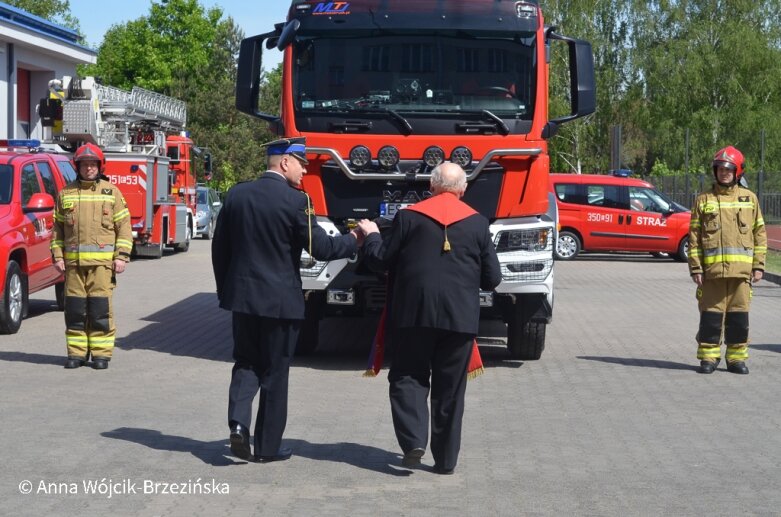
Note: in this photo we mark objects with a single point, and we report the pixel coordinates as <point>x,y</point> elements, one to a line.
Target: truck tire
<point>525,338</point>
<point>59,294</point>
<point>13,305</point>
<point>309,335</point>
<point>188,236</point>
<point>683,250</point>
<point>567,246</point>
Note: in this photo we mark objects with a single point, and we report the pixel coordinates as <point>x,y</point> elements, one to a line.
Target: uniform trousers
<point>435,360</point>
<point>89,319</point>
<point>262,351</point>
<point>724,305</point>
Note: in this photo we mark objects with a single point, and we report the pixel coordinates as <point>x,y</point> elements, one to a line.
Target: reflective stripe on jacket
<point>91,224</point>
<point>727,237</point>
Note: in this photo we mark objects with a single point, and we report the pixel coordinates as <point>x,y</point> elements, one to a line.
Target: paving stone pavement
<point>613,420</point>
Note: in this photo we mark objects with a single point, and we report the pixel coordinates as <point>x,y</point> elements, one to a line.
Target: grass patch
<point>773,261</point>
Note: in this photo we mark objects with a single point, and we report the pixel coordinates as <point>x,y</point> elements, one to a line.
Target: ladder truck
<point>149,155</point>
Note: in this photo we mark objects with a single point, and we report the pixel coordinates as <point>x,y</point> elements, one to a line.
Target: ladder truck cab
<point>149,155</point>
<point>386,91</point>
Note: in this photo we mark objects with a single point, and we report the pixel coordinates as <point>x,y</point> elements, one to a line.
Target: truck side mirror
<point>248,77</point>
<point>207,163</point>
<point>583,90</point>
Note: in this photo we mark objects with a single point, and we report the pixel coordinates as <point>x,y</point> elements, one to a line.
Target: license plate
<point>389,210</point>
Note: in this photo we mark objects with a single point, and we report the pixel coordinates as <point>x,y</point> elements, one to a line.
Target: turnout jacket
<point>261,231</point>
<point>727,236</point>
<point>91,224</point>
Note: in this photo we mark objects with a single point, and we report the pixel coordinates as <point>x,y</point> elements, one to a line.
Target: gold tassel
<point>446,246</point>
<point>475,373</point>
<point>369,373</point>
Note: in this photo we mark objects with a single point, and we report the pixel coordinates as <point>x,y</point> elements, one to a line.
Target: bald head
<point>448,177</point>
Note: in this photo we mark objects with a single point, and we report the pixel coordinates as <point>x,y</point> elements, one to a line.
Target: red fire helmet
<point>730,158</point>
<point>89,152</point>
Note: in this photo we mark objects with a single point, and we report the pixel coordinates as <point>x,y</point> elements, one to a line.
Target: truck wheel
<point>188,236</point>
<point>683,250</point>
<point>59,293</point>
<point>14,300</point>
<point>309,336</point>
<point>525,338</point>
<point>567,246</point>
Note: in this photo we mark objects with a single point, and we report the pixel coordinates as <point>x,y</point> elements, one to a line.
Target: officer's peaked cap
<point>295,147</point>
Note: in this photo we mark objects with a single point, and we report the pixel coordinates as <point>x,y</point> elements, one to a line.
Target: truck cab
<point>384,92</point>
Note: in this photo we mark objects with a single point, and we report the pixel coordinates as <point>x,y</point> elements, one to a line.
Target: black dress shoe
<point>99,364</point>
<point>442,470</point>
<point>708,366</point>
<point>239,439</point>
<point>412,457</point>
<point>281,455</point>
<point>74,363</point>
<point>738,367</point>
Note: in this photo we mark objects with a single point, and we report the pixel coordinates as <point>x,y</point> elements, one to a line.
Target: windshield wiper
<point>349,108</point>
<point>499,122</point>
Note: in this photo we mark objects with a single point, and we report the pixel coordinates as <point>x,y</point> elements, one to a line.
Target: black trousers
<point>434,360</point>
<point>262,349</point>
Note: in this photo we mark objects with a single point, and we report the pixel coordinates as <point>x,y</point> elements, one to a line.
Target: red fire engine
<point>148,154</point>
<point>384,92</point>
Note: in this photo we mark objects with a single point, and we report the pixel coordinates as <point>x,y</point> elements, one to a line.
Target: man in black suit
<point>439,255</point>
<point>256,252</point>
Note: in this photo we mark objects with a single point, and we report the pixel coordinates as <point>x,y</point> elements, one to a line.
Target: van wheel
<point>59,294</point>
<point>683,250</point>
<point>13,305</point>
<point>567,246</point>
<point>209,231</point>
<point>525,338</point>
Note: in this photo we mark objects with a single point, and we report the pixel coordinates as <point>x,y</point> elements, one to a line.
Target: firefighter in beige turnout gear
<point>727,249</point>
<point>92,242</point>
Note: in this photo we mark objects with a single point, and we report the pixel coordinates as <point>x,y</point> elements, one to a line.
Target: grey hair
<point>448,182</point>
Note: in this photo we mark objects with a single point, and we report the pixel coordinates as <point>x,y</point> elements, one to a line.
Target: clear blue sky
<point>254,17</point>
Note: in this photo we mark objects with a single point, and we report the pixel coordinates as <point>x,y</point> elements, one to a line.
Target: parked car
<point>616,213</point>
<point>29,183</point>
<point>208,209</point>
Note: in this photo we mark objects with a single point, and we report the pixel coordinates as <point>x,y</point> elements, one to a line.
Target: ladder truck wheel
<point>188,236</point>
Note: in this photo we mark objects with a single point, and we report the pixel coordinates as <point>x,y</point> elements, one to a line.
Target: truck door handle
<point>629,219</point>
<point>620,219</point>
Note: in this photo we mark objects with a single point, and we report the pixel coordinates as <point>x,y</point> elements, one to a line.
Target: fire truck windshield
<point>408,79</point>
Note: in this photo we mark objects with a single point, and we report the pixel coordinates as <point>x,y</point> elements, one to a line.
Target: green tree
<point>57,11</point>
<point>169,44</point>
<point>712,67</point>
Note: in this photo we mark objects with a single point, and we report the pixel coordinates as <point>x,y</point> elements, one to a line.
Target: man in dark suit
<point>256,252</point>
<point>439,255</point>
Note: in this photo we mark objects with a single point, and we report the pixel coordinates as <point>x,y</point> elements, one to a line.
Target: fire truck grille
<point>531,271</point>
<point>375,297</point>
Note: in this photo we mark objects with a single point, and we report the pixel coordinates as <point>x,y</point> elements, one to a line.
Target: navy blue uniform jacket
<point>433,288</point>
<point>257,246</point>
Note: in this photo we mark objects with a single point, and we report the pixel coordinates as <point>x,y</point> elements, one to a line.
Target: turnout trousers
<point>262,351</point>
<point>429,360</point>
<point>724,305</point>
<point>89,319</point>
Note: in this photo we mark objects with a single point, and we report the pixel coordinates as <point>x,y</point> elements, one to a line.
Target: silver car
<point>208,208</point>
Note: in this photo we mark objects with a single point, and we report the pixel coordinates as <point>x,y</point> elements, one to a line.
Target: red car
<point>29,183</point>
<point>616,213</point>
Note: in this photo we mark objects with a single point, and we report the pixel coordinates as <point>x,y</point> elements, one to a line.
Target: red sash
<point>445,209</point>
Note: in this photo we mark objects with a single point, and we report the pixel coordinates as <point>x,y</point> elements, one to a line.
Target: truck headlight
<point>523,240</point>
